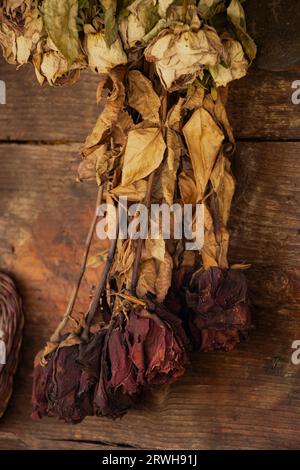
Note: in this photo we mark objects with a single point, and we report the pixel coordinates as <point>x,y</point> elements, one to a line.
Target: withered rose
<point>64,381</point>
<point>219,303</point>
<point>11,328</point>
<point>180,54</point>
<point>142,348</point>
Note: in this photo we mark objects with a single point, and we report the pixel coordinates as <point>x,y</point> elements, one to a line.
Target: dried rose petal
<point>219,303</point>
<point>146,347</point>
<point>64,387</point>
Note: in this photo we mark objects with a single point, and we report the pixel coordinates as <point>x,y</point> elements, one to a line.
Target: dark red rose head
<point>64,382</point>
<point>143,347</point>
<point>218,300</point>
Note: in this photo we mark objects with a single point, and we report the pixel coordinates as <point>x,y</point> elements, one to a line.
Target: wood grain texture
<point>249,398</point>
<point>260,107</point>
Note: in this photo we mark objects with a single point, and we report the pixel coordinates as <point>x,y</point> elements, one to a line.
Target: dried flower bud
<point>181,54</point>
<point>11,325</point>
<point>219,303</point>
<point>64,380</point>
<point>142,348</point>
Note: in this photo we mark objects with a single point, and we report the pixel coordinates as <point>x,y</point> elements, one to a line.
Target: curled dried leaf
<point>142,97</point>
<point>204,138</point>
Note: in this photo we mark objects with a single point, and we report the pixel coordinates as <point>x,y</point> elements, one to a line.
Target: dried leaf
<point>96,260</point>
<point>111,25</point>
<point>224,186</point>
<point>204,139</point>
<point>61,24</point>
<point>236,14</point>
<point>154,248</point>
<point>54,66</point>
<point>209,8</point>
<point>209,249</point>
<point>134,192</point>
<point>218,111</point>
<point>121,128</point>
<point>164,278</point>
<point>147,278</point>
<point>188,189</point>
<point>142,97</point>
<point>125,257</point>
<point>109,115</point>
<point>195,97</point>
<point>144,152</point>
<point>163,6</point>
<point>174,116</point>
<point>167,177</point>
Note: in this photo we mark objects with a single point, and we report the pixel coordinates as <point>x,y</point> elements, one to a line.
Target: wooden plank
<point>35,113</point>
<point>260,107</point>
<point>245,399</point>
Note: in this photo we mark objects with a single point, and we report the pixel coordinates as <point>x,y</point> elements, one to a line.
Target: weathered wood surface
<point>249,398</point>
<point>246,399</point>
<point>260,107</point>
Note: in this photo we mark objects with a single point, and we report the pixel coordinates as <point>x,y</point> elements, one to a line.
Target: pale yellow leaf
<point>143,154</point>
<point>101,57</point>
<point>204,139</point>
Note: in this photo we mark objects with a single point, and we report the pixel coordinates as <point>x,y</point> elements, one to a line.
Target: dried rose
<point>11,326</point>
<point>235,63</point>
<point>180,54</point>
<point>64,380</point>
<point>101,57</point>
<point>219,301</point>
<point>21,29</point>
<point>142,348</point>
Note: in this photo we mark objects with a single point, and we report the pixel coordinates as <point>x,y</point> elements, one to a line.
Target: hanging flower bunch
<point>162,136</point>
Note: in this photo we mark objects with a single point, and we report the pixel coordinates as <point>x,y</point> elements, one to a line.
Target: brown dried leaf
<point>224,186</point>
<point>96,260</point>
<point>170,166</point>
<point>142,97</point>
<point>188,188</point>
<point>109,115</point>
<point>204,139</point>
<point>217,109</point>
<point>209,249</point>
<point>164,278</point>
<point>143,154</point>
<point>147,278</point>
<point>195,97</point>
<point>134,192</point>
<point>154,248</point>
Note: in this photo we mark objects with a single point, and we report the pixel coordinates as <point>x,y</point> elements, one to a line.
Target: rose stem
<point>101,286</point>
<point>147,202</point>
<point>55,338</point>
<point>135,272</point>
<point>215,211</point>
